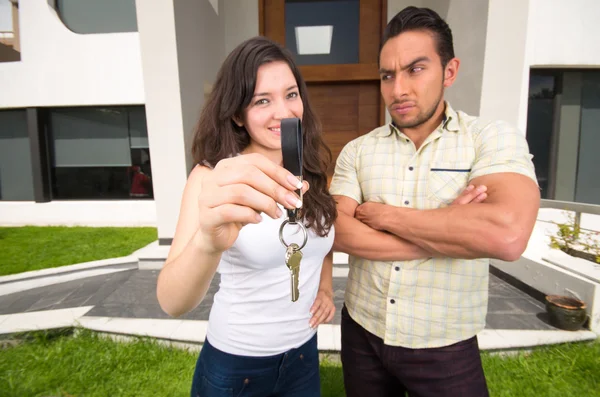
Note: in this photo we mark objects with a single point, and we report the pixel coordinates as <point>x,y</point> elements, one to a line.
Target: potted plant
<point>565,312</point>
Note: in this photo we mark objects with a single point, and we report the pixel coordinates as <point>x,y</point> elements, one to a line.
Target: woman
<point>259,342</point>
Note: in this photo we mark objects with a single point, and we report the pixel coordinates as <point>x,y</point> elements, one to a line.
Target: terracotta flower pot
<point>565,312</point>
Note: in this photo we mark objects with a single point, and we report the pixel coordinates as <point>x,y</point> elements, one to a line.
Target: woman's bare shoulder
<point>194,180</point>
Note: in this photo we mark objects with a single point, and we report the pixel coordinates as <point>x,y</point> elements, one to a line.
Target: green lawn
<point>89,366</point>
<point>32,248</point>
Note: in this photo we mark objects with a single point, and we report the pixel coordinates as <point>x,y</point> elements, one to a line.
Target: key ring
<point>302,227</point>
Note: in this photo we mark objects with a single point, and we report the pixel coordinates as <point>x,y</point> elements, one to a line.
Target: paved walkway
<point>124,301</point>
<point>132,294</point>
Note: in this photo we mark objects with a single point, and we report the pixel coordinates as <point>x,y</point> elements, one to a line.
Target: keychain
<point>291,148</point>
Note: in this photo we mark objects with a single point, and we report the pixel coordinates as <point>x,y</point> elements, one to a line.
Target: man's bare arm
<point>499,228</point>
<point>357,239</point>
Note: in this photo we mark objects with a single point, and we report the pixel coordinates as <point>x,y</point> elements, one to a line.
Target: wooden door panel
<point>369,107</point>
<point>346,111</point>
<point>373,15</point>
<point>349,72</point>
<point>345,98</point>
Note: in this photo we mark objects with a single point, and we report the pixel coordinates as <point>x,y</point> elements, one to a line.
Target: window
<point>588,184</point>
<point>93,16</point>
<point>100,153</point>
<point>563,132</point>
<point>322,32</point>
<point>540,119</point>
<point>16,178</point>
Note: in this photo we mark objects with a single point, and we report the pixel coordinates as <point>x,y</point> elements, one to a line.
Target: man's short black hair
<point>414,19</point>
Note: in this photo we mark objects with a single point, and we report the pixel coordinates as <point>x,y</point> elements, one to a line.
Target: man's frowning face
<point>413,78</point>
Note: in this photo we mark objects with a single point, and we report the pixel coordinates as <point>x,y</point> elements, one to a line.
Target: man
<point>417,287</point>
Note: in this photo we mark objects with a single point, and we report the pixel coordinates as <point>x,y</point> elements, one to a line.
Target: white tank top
<point>252,313</point>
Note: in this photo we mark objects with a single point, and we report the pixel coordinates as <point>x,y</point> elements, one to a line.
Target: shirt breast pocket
<point>447,181</point>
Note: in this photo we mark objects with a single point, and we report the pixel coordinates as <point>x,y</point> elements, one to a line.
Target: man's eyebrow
<point>413,63</point>
<point>268,93</point>
<point>410,65</point>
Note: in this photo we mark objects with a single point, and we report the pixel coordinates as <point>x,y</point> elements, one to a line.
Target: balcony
<point>10,49</point>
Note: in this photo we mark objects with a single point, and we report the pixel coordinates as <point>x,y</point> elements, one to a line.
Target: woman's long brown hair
<point>217,136</point>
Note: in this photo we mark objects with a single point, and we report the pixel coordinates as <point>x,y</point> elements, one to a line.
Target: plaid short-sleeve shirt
<point>437,301</point>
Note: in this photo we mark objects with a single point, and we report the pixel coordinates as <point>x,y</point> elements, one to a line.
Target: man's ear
<point>451,71</point>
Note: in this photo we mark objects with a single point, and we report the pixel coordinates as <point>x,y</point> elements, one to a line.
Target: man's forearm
<point>357,239</point>
<point>470,231</point>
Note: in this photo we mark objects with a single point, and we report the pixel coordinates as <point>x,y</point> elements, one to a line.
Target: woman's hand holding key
<point>236,192</point>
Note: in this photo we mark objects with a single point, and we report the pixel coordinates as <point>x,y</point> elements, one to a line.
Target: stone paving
<point>132,294</point>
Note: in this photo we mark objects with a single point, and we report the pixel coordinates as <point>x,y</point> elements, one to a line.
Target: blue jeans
<point>291,374</point>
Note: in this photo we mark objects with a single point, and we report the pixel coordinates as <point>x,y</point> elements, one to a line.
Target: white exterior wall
<point>179,59</point>
<point>61,68</point>
<point>534,33</point>
<point>163,109</point>
<point>180,62</point>
<point>241,22</point>
<point>79,213</point>
<point>564,33</point>
<point>182,44</point>
<point>505,70</point>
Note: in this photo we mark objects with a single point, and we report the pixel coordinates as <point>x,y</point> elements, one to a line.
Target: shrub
<point>576,242</point>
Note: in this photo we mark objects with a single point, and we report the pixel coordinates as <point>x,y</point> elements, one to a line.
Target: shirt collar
<point>450,119</point>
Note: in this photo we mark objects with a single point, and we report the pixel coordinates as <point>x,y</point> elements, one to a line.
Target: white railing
<point>577,208</point>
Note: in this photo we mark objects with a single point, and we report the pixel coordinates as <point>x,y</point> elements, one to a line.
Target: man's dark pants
<point>372,369</point>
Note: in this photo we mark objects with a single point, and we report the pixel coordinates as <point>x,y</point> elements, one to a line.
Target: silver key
<point>293,256</point>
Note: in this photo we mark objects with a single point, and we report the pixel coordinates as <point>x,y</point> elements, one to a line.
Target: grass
<point>50,364</point>
<point>86,365</point>
<point>32,248</point>
<point>557,371</point>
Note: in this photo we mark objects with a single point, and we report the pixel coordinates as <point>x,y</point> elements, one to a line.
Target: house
<point>92,93</point>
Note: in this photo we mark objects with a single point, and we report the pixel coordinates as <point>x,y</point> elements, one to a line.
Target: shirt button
<point>392,301</point>
<point>406,202</point>
<point>410,168</point>
<point>397,268</point>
